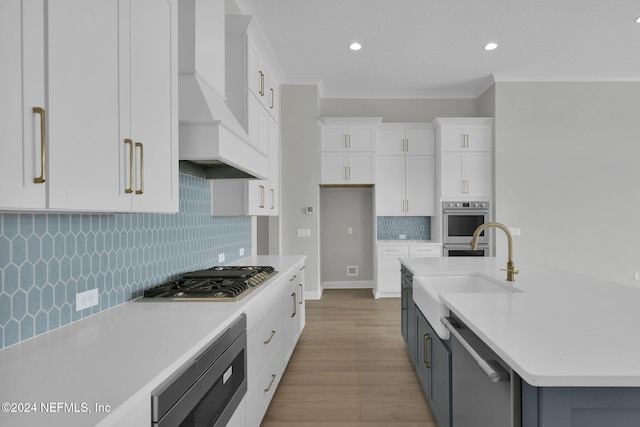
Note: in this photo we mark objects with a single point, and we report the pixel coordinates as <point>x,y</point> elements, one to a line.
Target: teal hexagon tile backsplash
<point>45,259</point>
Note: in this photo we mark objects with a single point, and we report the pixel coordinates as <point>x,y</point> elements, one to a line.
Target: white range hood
<point>209,133</point>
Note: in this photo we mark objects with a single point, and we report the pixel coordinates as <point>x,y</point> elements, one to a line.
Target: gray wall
<point>340,209</point>
<point>567,165</point>
<point>299,177</point>
<point>399,110</point>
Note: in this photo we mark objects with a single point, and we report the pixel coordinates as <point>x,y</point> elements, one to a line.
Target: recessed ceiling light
<point>490,46</point>
<point>355,46</point>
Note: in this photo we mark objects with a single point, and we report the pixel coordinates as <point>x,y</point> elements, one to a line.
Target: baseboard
<point>355,284</point>
<point>377,295</point>
<point>308,295</point>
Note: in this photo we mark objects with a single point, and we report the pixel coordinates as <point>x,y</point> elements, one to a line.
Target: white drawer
<point>393,250</point>
<point>425,250</point>
<point>263,342</point>
<point>259,397</point>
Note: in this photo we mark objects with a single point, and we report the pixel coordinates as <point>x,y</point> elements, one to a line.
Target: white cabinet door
<point>466,138</point>
<point>153,106</point>
<point>333,168</point>
<point>333,138</point>
<point>420,185</point>
<point>355,168</point>
<point>340,138</point>
<point>388,269</point>
<point>390,142</point>
<point>420,142</point>
<point>390,183</point>
<point>361,167</point>
<point>478,174</point>
<point>274,168</point>
<point>87,151</point>
<point>466,175</point>
<point>22,88</point>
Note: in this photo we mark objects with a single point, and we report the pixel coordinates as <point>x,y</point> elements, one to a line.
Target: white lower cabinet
<point>388,264</point>
<point>274,325</point>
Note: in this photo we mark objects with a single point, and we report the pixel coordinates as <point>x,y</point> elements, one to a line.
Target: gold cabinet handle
<point>301,292</point>
<point>261,83</point>
<point>293,278</point>
<point>261,196</point>
<point>349,173</point>
<point>273,333</point>
<point>345,141</point>
<point>273,378</point>
<point>426,338</point>
<point>272,98</point>
<point>345,174</point>
<point>43,147</point>
<point>303,267</point>
<point>466,186</point>
<point>141,168</point>
<point>293,295</point>
<point>129,189</point>
<point>273,198</point>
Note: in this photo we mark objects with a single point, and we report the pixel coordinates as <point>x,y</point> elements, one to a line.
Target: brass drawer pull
<point>273,333</point>
<point>273,378</point>
<point>141,164</point>
<point>43,147</point>
<point>427,364</point>
<point>129,189</point>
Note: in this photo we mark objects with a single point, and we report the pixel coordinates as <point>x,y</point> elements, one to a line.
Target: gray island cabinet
<point>574,383</point>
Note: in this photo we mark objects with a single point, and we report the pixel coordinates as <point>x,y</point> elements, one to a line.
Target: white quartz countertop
<point>564,329</point>
<point>116,357</point>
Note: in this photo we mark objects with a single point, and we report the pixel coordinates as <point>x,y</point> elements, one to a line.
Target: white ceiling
<point>434,48</point>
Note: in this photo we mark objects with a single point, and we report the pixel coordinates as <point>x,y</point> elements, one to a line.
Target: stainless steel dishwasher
<point>485,391</point>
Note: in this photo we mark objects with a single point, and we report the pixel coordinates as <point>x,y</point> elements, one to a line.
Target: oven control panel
<point>465,205</point>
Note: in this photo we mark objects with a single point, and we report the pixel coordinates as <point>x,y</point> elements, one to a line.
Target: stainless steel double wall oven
<point>460,220</point>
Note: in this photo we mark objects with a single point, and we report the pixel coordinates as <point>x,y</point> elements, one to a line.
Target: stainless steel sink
<point>427,290</point>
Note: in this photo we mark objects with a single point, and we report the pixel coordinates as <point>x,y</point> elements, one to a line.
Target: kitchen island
<point>102,370</point>
<point>569,337</point>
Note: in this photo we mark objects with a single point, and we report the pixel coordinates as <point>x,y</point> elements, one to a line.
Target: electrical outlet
<point>514,231</point>
<point>350,230</point>
<point>303,232</point>
<point>221,257</point>
<point>402,237</point>
<point>87,299</point>
<point>636,275</point>
<point>241,252</point>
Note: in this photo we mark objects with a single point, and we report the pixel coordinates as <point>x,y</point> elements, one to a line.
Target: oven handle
<point>466,211</point>
<point>491,368</point>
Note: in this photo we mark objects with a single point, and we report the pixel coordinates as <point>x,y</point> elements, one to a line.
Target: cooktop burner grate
<point>222,283</point>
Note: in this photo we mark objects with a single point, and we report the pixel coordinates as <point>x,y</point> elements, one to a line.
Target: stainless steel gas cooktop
<point>223,283</point>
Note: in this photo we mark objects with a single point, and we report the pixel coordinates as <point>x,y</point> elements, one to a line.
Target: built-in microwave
<point>460,220</point>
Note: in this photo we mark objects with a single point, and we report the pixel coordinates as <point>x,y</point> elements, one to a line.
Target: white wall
<point>567,168</point>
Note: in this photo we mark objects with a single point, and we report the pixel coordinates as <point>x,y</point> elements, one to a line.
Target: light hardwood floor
<point>350,368</point>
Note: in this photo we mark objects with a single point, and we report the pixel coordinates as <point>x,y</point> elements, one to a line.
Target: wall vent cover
<point>352,270</point>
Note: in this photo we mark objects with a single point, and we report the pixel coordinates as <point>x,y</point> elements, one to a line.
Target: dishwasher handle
<point>491,368</point>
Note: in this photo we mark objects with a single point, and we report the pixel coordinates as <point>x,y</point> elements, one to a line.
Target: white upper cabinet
<point>252,93</point>
<point>405,170</point>
<point>347,150</point>
<point>111,124</point>
<point>465,163</point>
<point>23,178</point>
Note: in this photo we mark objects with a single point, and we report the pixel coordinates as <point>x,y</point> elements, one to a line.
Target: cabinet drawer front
<point>259,397</point>
<point>426,250</point>
<point>393,250</point>
<point>262,343</point>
